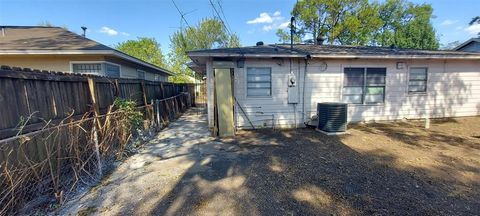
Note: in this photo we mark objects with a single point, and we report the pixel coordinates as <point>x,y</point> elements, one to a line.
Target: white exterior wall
<point>453,89</point>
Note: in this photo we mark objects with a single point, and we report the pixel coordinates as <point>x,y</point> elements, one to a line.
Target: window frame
<point>141,71</point>
<point>103,70</point>
<point>247,82</point>
<point>365,85</point>
<point>119,69</point>
<point>426,80</point>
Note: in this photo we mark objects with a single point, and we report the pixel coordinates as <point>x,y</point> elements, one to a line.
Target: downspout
<point>303,90</point>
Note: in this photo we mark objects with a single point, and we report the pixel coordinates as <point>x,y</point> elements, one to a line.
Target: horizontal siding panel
<point>453,89</point>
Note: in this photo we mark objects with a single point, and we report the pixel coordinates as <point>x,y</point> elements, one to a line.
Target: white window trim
<point>408,80</point>
<point>246,81</point>
<point>95,62</point>
<point>365,67</point>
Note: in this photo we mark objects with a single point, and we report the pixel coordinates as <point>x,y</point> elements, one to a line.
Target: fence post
<point>159,121</point>
<point>93,96</point>
<point>145,102</point>
<point>96,122</point>
<point>117,88</point>
<point>153,122</point>
<point>163,90</point>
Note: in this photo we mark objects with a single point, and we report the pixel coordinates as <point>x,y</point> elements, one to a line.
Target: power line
<point>219,17</point>
<point>182,15</point>
<point>224,17</point>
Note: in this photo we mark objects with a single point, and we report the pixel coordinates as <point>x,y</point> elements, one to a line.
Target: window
<point>95,68</point>
<point>417,80</point>
<point>112,70</point>
<point>141,74</point>
<point>107,69</point>
<point>259,81</point>
<point>364,85</point>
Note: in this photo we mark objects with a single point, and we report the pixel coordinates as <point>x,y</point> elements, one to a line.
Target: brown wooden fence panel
<point>53,96</point>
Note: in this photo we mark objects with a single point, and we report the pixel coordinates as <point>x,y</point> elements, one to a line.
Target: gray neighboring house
<point>378,83</point>
<point>57,49</point>
<point>472,45</point>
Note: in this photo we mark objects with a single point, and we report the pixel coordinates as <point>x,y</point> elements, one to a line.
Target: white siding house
<point>441,85</point>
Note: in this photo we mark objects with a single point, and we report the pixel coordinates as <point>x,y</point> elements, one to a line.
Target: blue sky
<point>113,21</point>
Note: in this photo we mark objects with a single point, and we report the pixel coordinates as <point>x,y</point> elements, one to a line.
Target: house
<point>57,49</point>
<point>472,45</point>
<point>278,86</point>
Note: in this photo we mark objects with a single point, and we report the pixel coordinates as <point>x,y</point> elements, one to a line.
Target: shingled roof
<point>45,38</point>
<point>38,40</point>
<point>330,51</point>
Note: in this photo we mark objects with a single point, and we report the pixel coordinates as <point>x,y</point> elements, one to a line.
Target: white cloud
<point>448,22</point>
<point>263,18</point>
<point>112,32</point>
<point>284,25</point>
<point>108,31</point>
<point>266,18</point>
<point>473,29</point>
<point>271,21</point>
<point>267,27</point>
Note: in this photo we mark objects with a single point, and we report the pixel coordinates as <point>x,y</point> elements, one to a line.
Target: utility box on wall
<point>292,89</point>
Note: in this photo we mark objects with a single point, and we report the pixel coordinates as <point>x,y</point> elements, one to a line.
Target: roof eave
<point>333,56</point>
<point>243,55</point>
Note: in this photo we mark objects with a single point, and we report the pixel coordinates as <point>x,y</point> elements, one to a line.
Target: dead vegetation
<point>57,159</point>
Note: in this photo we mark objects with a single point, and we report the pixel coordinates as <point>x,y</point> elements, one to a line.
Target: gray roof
<point>45,38</point>
<point>38,40</point>
<point>471,40</point>
<point>330,51</point>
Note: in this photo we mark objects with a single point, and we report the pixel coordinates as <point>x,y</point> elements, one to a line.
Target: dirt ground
<point>394,168</point>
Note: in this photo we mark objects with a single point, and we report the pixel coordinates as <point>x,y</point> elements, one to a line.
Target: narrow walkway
<point>139,184</point>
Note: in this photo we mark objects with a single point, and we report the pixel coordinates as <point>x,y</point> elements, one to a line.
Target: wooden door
<point>224,102</point>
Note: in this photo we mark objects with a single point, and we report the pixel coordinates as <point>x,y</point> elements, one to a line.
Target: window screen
<point>141,74</point>
<point>417,81</point>
<point>95,68</point>
<point>259,82</point>
<point>353,84</point>
<point>364,85</point>
<point>375,86</point>
<point>112,70</point>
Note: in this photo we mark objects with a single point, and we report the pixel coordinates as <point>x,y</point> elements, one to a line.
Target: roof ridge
<point>15,26</point>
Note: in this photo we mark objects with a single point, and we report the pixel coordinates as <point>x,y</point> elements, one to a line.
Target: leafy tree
<point>284,37</point>
<point>47,23</point>
<point>406,25</point>
<point>475,21</point>
<point>208,34</point>
<point>363,22</point>
<point>146,49</point>
<point>337,21</point>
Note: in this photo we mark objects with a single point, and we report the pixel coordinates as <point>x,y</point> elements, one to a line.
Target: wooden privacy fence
<point>53,96</point>
<point>56,129</point>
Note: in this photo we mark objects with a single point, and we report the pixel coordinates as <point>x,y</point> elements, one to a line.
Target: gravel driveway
<point>375,169</point>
